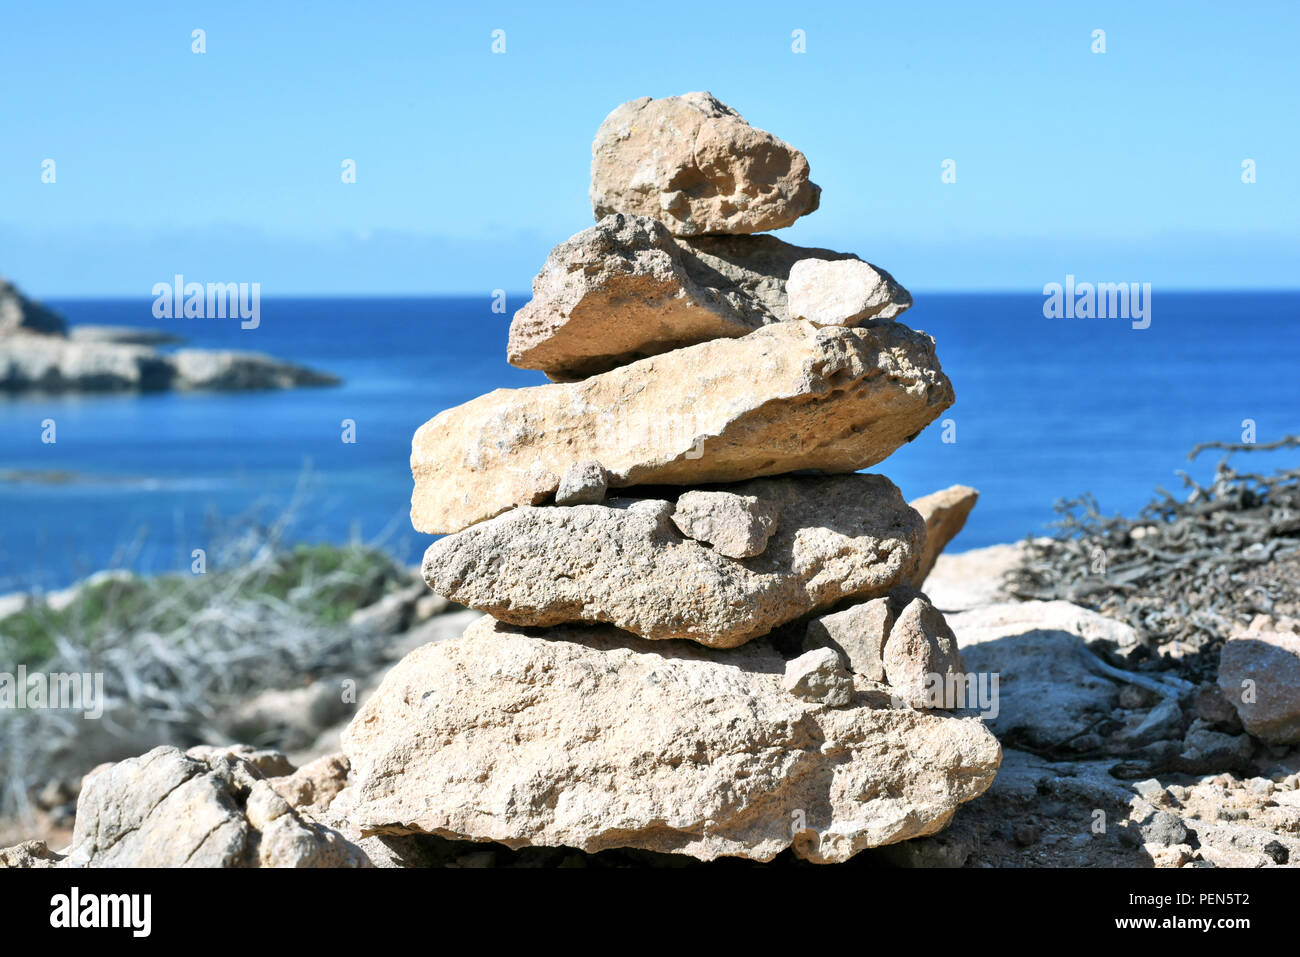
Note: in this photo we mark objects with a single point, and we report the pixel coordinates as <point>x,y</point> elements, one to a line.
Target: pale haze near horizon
<point>225,166</point>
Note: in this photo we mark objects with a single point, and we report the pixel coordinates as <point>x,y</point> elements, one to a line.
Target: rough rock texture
<point>29,854</point>
<point>737,526</point>
<point>844,292</point>
<point>626,564</point>
<point>945,514</point>
<point>693,163</point>
<point>57,364</point>
<point>1265,666</point>
<point>787,397</point>
<point>857,634</point>
<point>591,739</point>
<point>818,676</point>
<point>314,785</point>
<point>625,289</point>
<point>1047,696</point>
<point>583,483</point>
<point>921,656</point>
<point>170,809</point>
<point>20,314</point>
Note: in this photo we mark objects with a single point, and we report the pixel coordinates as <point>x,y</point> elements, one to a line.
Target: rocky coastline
<point>40,353</point>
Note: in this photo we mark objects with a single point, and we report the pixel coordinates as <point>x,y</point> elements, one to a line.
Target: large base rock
<point>592,739</point>
<point>838,537</point>
<point>785,398</point>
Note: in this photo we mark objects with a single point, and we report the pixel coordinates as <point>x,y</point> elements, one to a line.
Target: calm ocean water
<point>1045,409</point>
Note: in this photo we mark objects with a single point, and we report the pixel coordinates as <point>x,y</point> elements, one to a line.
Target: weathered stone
<point>626,564</point>
<point>29,854</point>
<point>168,809</point>
<point>787,397</point>
<point>1259,673</point>
<point>921,656</point>
<point>591,739</point>
<point>818,676</point>
<point>857,634</point>
<point>693,163</point>
<point>737,526</point>
<point>1046,694</point>
<point>625,289</point>
<point>583,483</point>
<point>20,314</point>
<point>945,514</point>
<point>314,785</point>
<point>844,292</point>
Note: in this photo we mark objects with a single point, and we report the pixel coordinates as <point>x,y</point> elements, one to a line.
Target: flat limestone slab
<point>788,397</point>
<point>592,739</point>
<point>838,537</point>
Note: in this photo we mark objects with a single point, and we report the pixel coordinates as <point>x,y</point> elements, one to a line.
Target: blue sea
<point>1046,408</point>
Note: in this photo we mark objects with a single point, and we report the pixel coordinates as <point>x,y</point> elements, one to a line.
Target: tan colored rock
<point>945,513</point>
<point>845,292</point>
<point>693,163</point>
<point>737,526</point>
<point>29,854</point>
<point>858,634</point>
<point>625,289</point>
<point>591,739</point>
<point>921,657</point>
<point>168,809</point>
<point>314,785</point>
<point>626,564</point>
<point>1259,673</point>
<point>785,398</point>
<point>818,676</point>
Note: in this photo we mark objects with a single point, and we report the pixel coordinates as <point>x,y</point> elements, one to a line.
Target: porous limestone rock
<point>857,634</point>
<point>1259,673</point>
<point>787,397</point>
<point>170,809</point>
<point>313,786</point>
<point>625,289</point>
<point>921,657</point>
<point>29,854</point>
<point>845,292</point>
<point>627,564</point>
<point>945,514</point>
<point>583,483</point>
<point>737,526</point>
<point>592,739</point>
<point>818,676</point>
<point>693,163</point>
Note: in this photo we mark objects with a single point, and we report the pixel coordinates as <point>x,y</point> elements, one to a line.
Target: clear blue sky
<point>1122,166</point>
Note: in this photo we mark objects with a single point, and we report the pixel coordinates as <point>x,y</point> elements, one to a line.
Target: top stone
<point>694,164</point>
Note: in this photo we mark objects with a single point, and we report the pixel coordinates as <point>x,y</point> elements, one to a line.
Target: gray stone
<point>818,676</point>
<point>583,483</point>
<point>737,526</point>
<point>839,537</point>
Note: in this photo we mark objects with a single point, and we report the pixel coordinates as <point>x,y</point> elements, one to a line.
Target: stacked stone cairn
<point>704,630</point>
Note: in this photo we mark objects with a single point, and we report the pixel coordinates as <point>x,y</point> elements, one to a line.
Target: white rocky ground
<point>1095,771</point>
